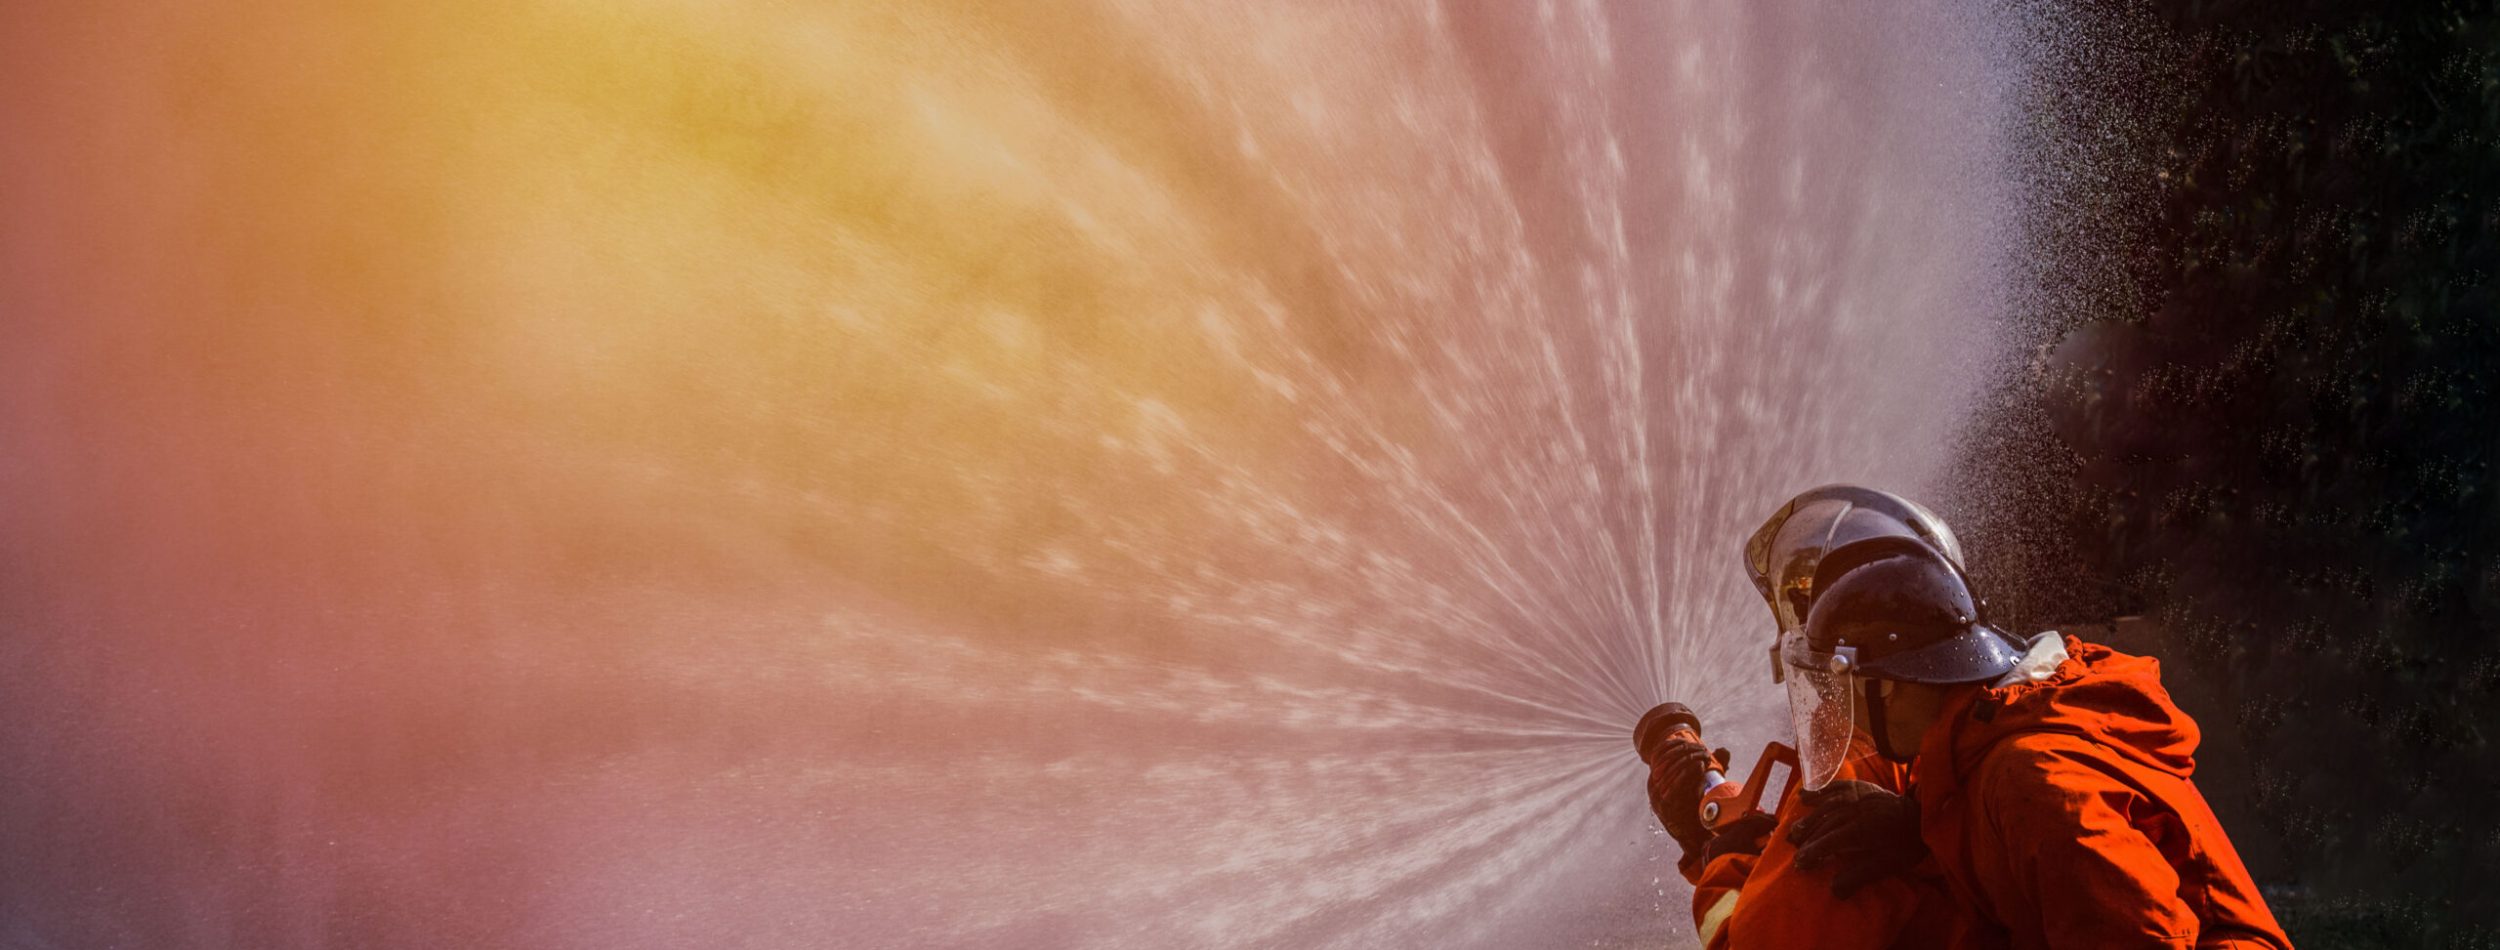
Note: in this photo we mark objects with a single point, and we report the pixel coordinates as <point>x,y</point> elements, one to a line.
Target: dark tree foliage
<point>2278,441</point>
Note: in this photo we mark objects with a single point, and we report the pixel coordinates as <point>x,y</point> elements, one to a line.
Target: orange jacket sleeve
<point>1715,891</point>
<point>1753,902</point>
<point>1765,902</point>
<point>2070,850</point>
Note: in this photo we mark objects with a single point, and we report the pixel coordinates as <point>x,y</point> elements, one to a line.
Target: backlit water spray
<point>893,475</point>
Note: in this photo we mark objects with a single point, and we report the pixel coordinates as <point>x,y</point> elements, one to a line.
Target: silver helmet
<point>1782,556</point>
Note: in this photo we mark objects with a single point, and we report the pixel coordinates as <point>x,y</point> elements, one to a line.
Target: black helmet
<point>1783,555</point>
<point>1906,614</point>
<point>1885,609</point>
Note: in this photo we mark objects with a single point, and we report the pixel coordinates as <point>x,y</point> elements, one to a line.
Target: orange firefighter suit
<point>1750,901</point>
<point>2058,806</point>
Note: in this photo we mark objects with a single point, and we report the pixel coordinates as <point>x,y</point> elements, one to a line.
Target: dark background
<point>2257,414</point>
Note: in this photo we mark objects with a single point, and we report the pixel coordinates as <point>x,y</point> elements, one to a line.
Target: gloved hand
<point>1675,792</point>
<point>1863,833</point>
<point>1742,836</point>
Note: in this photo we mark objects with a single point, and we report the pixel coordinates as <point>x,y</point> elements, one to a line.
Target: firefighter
<point>1749,890</point>
<point>2048,778</point>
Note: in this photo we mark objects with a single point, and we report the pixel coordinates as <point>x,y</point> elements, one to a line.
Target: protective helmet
<point>1782,556</point>
<point>1888,609</point>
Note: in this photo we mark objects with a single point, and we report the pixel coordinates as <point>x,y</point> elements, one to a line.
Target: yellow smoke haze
<point>550,474</point>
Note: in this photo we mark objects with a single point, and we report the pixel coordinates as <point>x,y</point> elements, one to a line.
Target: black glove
<point>1863,833</point>
<point>1742,836</point>
<point>1675,792</point>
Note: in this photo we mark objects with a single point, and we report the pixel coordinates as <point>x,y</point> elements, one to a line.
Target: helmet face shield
<point>1822,692</point>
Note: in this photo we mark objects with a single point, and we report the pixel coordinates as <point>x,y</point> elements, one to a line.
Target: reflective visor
<point>1783,555</point>
<point>1821,705</point>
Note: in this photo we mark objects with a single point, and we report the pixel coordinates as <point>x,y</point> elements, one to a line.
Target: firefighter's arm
<point>1727,865</point>
<point>1715,893</point>
<point>2056,835</point>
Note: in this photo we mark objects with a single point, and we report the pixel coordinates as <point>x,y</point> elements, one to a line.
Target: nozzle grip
<point>1662,724</point>
<point>1746,799</point>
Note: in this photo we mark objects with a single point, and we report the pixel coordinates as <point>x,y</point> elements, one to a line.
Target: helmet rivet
<point>1840,664</point>
<point>1960,617</point>
<point>1892,636</point>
